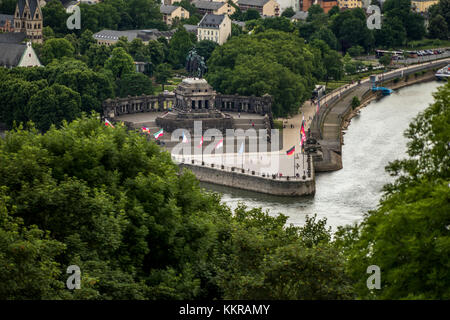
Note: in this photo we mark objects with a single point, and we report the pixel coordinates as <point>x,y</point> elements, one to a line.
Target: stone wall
<point>339,108</point>
<point>163,101</point>
<point>234,179</point>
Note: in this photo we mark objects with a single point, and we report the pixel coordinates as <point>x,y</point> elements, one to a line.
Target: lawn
<point>171,84</point>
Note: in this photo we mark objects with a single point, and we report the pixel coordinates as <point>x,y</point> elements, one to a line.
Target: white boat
<point>444,73</point>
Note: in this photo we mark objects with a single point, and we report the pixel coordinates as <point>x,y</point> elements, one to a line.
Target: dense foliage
<point>271,62</point>
<point>108,14</point>
<point>61,90</point>
<point>439,26</point>
<point>113,203</point>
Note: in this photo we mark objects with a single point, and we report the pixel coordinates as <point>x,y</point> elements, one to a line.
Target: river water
<point>373,139</point>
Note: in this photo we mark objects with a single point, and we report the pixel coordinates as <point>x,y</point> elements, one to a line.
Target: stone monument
<point>194,101</point>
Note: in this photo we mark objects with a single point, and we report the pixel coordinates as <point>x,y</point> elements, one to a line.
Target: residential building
<point>110,37</point>
<point>191,28</point>
<point>28,19</point>
<point>350,4</point>
<point>215,7</point>
<point>300,16</point>
<point>170,13</point>
<point>214,27</point>
<point>422,5</point>
<point>18,55</point>
<point>6,23</point>
<point>325,4</point>
<point>269,8</point>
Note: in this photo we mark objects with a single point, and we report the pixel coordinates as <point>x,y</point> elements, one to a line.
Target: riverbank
<point>328,124</point>
<point>403,82</point>
<point>371,142</point>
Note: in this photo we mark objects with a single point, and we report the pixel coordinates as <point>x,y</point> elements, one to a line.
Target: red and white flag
<point>108,124</point>
<point>201,143</point>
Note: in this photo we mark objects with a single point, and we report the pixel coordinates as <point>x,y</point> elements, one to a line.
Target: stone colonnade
<point>118,106</point>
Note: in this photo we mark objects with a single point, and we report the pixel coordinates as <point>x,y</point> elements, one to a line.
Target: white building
<point>214,27</point>
<point>18,55</point>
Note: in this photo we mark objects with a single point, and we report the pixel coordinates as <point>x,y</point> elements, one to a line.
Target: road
<point>291,136</point>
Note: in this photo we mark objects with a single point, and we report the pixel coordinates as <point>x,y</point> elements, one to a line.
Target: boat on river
<point>444,73</point>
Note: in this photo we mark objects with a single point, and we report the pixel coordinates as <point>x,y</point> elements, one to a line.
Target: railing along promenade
<point>328,101</point>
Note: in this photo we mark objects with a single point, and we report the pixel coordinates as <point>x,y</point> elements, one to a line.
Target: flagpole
<point>294,166</point>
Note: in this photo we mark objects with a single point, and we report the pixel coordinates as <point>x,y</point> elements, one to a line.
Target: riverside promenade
<point>326,124</point>
<point>298,170</point>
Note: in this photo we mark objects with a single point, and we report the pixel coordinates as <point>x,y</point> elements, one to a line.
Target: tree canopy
<point>272,62</point>
<point>113,203</point>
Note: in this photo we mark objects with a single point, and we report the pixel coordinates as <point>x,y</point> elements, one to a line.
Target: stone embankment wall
<point>327,125</point>
<point>236,179</point>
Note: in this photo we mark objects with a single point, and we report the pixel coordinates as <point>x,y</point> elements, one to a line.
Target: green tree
<point>385,60</point>
<point>326,35</point>
<point>356,51</point>
<point>120,63</point>
<point>332,62</point>
<point>270,62</point>
<point>350,28</point>
<point>355,102</point>
<point>86,40</point>
<point>134,84</point>
<point>314,11</point>
<point>97,55</point>
<point>27,251</point>
<point>288,12</point>
<point>145,14</point>
<point>72,38</point>
<point>251,14</point>
<point>205,48</point>
<point>56,48</point>
<point>93,87</point>
<point>179,46</point>
<point>55,17</point>
<point>392,33</point>
<point>48,33</point>
<point>14,96</point>
<point>52,105</point>
<point>438,28</point>
<point>8,6</point>
<point>162,73</point>
<point>297,263</point>
<point>334,10</point>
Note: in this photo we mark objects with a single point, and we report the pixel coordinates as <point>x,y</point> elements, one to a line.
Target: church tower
<point>28,19</point>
